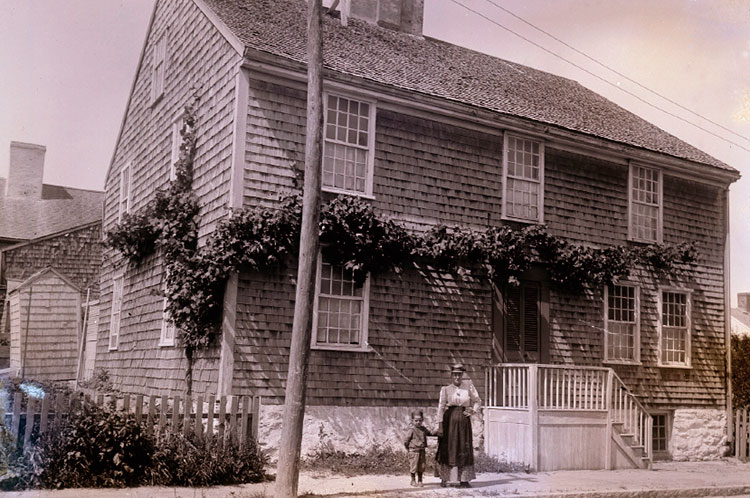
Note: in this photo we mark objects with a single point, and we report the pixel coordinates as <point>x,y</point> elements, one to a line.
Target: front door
<point>519,322</point>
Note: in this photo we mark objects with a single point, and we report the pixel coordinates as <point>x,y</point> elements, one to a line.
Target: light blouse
<point>464,395</point>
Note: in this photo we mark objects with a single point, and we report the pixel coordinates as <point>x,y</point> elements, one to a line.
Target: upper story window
<point>674,328</point>
<point>177,126</point>
<point>114,321</point>
<point>159,67</point>
<point>646,204</point>
<point>621,324</point>
<point>523,179</point>
<point>124,202</point>
<point>348,149</point>
<point>341,309</point>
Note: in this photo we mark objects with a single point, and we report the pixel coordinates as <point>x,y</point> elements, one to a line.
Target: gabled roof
<point>740,321</point>
<point>60,209</point>
<point>439,69</point>
<point>41,273</point>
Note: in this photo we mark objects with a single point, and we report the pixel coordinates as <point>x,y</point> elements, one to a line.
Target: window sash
<point>523,179</point>
<point>645,203</point>
<point>167,335</point>
<point>159,67</point>
<point>622,323</point>
<point>340,310</point>
<point>116,312</point>
<point>348,144</point>
<point>674,331</point>
<point>124,204</point>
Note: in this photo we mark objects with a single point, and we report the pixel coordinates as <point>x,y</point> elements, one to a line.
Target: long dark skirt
<point>455,454</point>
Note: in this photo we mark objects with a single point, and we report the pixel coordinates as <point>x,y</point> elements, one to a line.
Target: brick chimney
<point>743,301</point>
<point>399,15</point>
<point>25,172</point>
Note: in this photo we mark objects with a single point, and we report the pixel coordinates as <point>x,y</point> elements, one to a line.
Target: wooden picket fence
<point>742,434</point>
<point>228,418</point>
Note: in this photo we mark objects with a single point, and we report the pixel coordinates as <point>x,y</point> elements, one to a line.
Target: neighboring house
<point>46,226</point>
<point>741,315</point>
<point>430,133</point>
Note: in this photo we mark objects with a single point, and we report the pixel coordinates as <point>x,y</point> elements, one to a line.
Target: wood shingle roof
<point>439,69</point>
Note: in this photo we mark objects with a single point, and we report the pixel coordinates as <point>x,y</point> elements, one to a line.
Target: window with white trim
<point>114,321</point>
<point>159,67</point>
<point>177,126</point>
<point>349,144</point>
<point>124,202</point>
<point>167,327</point>
<point>523,179</point>
<point>661,433</point>
<point>645,204</point>
<point>341,309</point>
<point>674,328</point>
<point>621,323</point>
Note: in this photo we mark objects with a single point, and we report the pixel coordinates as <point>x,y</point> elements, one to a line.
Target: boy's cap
<point>458,367</point>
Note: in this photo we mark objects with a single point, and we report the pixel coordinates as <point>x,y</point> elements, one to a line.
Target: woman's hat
<point>458,367</point>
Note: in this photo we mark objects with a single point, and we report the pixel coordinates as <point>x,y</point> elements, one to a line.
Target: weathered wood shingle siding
<point>76,254</point>
<point>200,62</point>
<point>429,172</point>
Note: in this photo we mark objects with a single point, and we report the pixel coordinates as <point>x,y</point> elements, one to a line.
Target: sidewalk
<point>673,479</point>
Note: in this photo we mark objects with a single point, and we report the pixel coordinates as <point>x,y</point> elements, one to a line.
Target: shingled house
<point>46,227</point>
<point>429,133</point>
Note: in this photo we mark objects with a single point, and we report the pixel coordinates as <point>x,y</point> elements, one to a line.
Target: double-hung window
<point>645,204</point>
<point>114,321</point>
<point>674,328</point>
<point>348,145</point>
<point>523,179</point>
<point>159,67</point>
<point>124,202</point>
<point>167,327</point>
<point>621,324</point>
<point>341,309</point>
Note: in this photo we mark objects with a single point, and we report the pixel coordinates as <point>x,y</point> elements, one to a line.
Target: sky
<point>66,67</point>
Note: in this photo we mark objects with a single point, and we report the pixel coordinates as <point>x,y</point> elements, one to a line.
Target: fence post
<point>533,402</point>
<point>256,417</point>
<point>608,432</point>
<point>16,421</point>
<point>30,405</point>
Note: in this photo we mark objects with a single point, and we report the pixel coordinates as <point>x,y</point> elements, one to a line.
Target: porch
<point>553,417</point>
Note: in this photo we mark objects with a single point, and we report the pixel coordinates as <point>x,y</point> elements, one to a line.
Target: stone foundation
<point>698,434</point>
<point>351,429</point>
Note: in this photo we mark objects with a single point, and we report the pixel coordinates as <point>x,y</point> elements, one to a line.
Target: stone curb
<point>647,493</point>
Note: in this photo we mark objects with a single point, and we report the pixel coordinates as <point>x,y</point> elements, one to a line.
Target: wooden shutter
<point>522,322</point>
<point>513,327</point>
<point>531,319</point>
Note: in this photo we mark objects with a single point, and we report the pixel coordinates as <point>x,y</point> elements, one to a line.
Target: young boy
<point>415,443</point>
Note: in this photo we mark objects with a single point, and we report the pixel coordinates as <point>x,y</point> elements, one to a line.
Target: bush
<point>184,461</point>
<point>741,371</point>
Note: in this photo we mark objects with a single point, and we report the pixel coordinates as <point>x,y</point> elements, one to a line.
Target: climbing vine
<point>351,234</point>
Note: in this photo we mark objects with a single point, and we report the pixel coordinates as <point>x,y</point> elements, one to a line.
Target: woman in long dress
<point>459,400</point>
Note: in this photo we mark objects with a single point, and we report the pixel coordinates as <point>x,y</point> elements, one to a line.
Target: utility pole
<point>287,477</point>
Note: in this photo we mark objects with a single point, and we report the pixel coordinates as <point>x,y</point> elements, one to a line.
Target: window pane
<point>340,305</point>
<point>345,154</point>
<point>621,323</point>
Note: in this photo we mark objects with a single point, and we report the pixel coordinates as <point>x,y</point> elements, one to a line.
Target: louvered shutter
<point>513,331</point>
<point>531,319</point>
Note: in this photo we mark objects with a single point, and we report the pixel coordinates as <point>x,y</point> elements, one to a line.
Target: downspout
<point>727,320</point>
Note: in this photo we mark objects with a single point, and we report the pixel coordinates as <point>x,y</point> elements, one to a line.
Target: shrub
<point>741,371</point>
<point>185,461</point>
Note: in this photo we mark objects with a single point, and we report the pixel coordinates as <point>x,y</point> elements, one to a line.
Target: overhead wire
<point>600,78</point>
<point>618,73</point>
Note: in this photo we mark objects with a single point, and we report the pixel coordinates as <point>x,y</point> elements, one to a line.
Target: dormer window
<point>523,179</point>
<point>646,204</point>
<point>349,144</point>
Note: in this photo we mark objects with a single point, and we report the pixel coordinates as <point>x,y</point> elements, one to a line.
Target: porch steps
<point>633,451</point>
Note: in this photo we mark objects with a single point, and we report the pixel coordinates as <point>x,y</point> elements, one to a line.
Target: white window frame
<point>115,316</point>
<point>177,125</point>
<point>370,144</point>
<point>632,202</point>
<point>540,206</point>
<point>159,67</point>
<point>689,332</point>
<point>637,332</point>
<point>363,343</point>
<point>668,433</point>
<point>126,189</point>
<point>167,335</point>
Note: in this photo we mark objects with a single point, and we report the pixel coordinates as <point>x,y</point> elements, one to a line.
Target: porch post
<point>533,416</point>
<point>608,433</point>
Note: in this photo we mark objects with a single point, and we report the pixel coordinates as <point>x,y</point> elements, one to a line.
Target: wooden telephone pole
<point>287,477</point>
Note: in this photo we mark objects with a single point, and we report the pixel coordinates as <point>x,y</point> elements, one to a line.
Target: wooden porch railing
<point>628,411</point>
<point>554,387</point>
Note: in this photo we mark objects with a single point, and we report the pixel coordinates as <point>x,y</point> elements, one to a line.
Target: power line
<point>605,66</point>
<point>598,77</point>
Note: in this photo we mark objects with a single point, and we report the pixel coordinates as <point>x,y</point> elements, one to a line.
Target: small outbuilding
<point>45,320</point>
